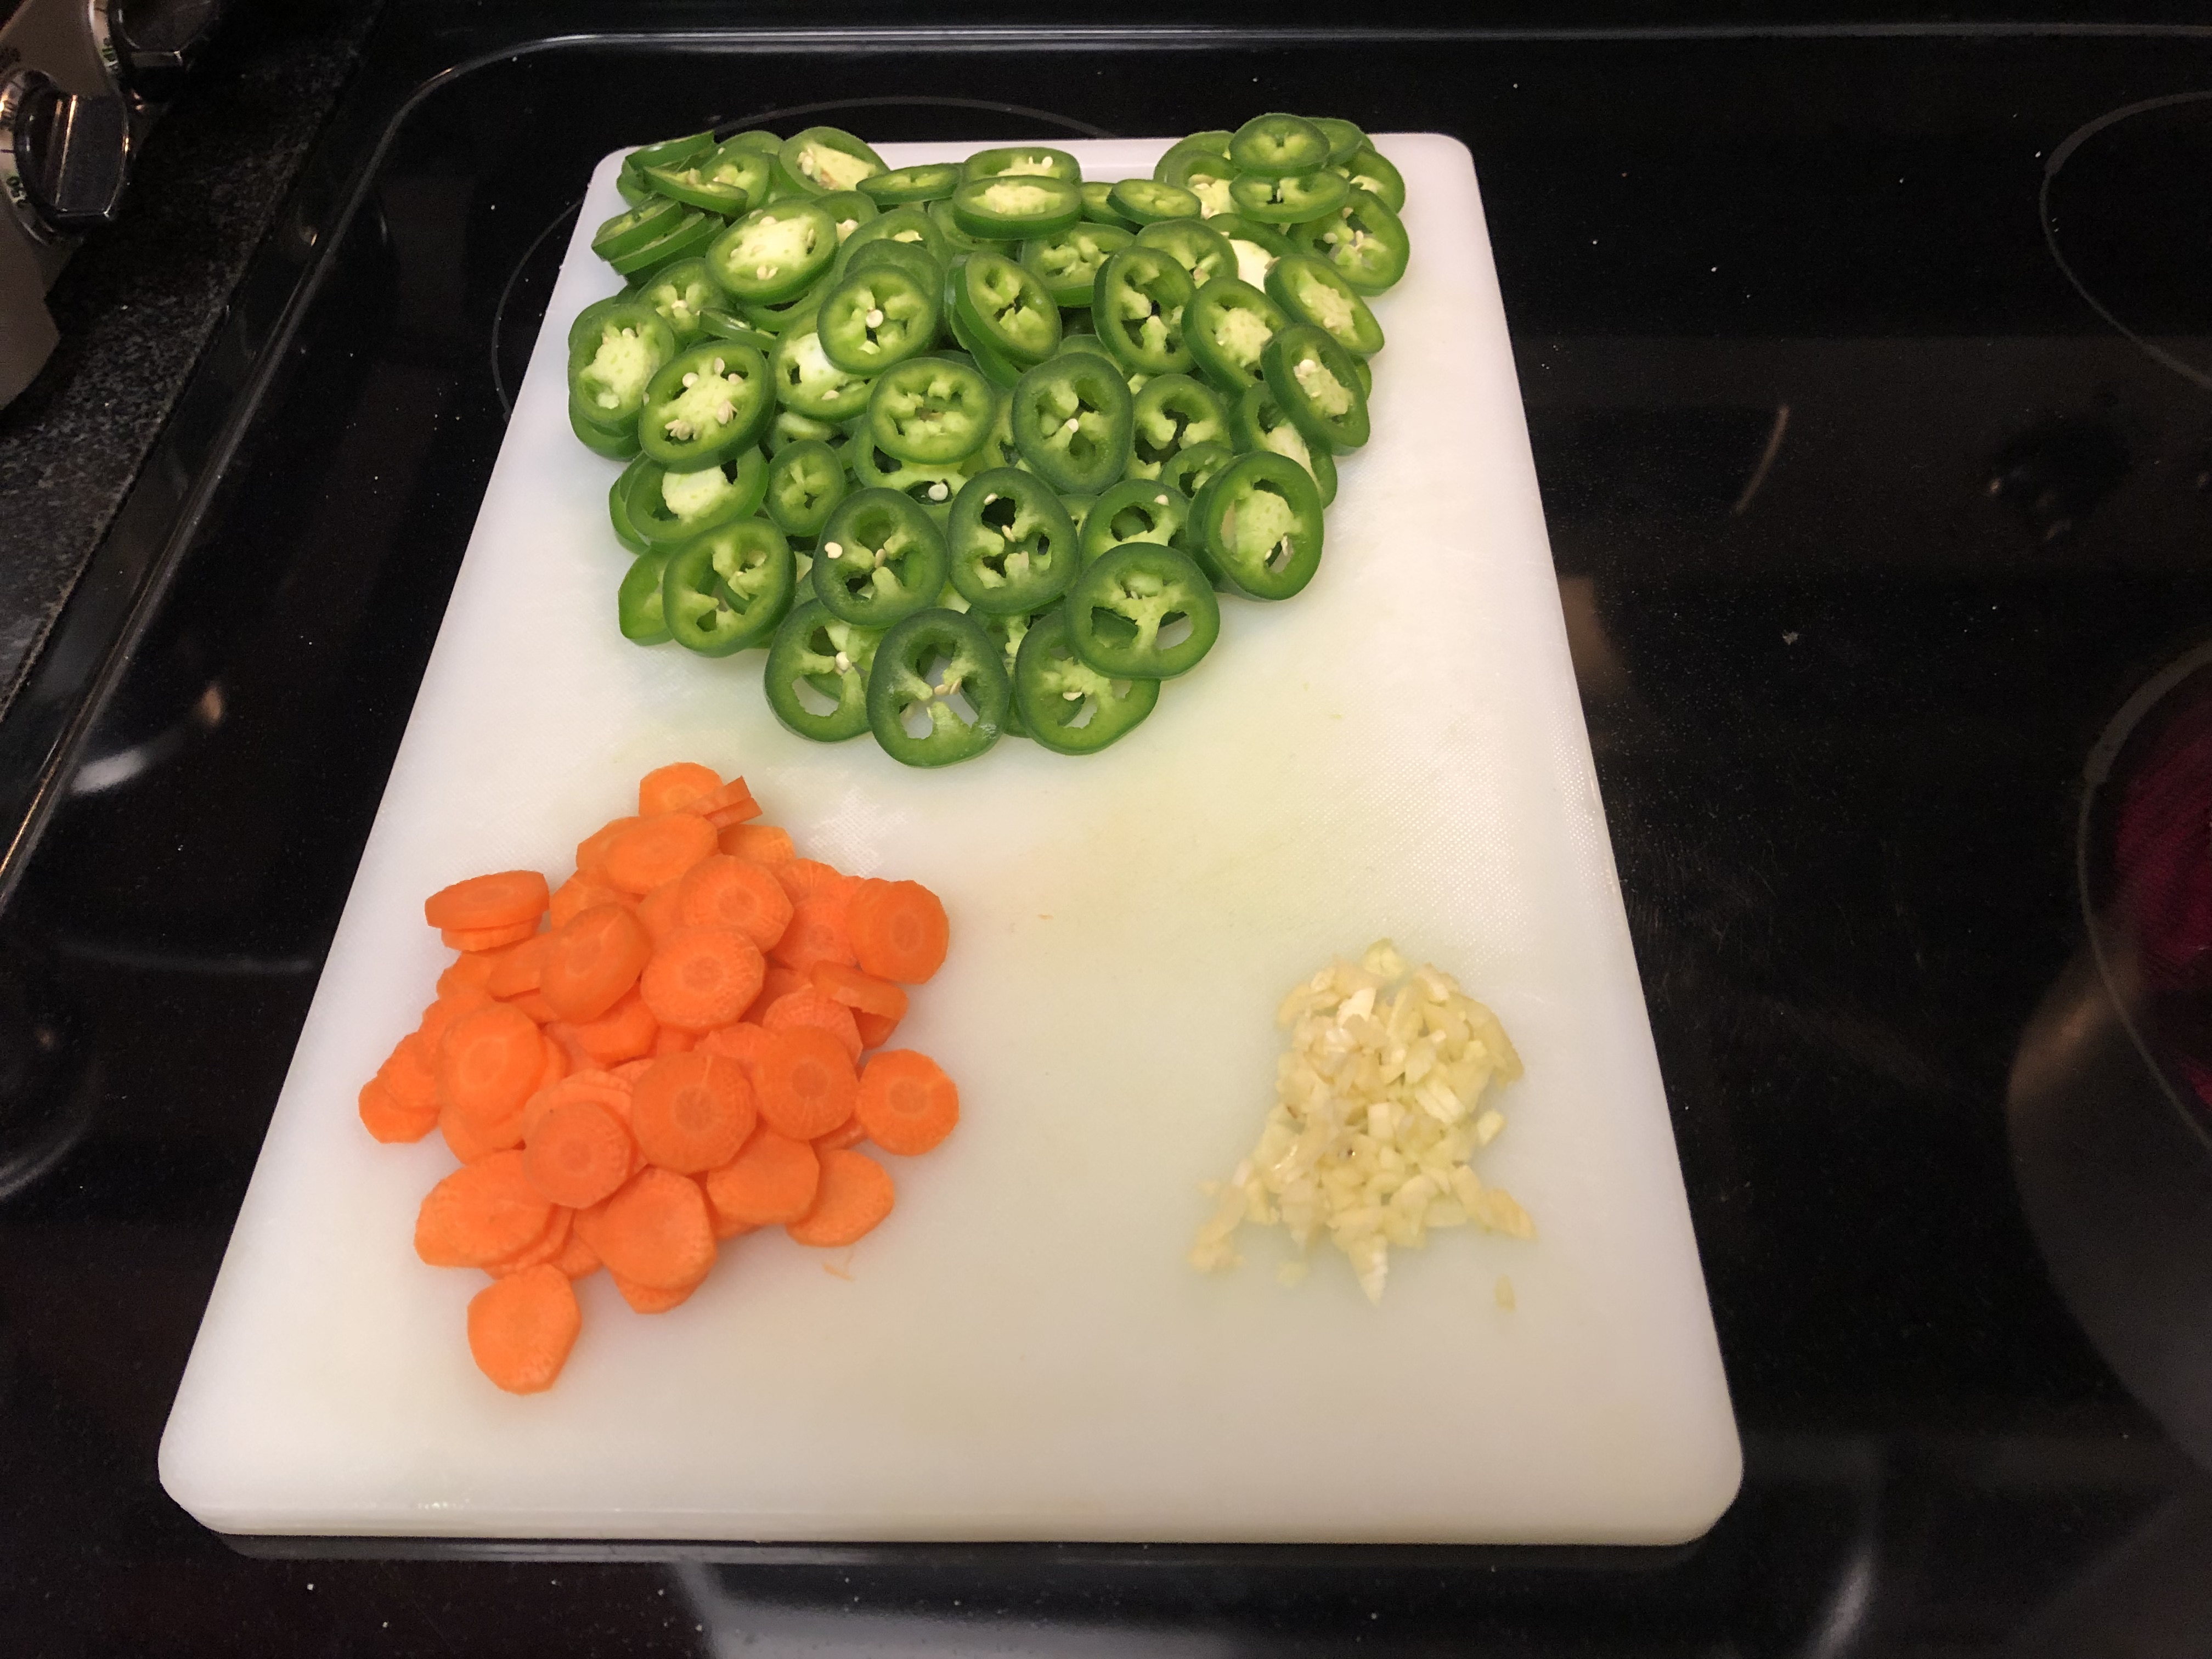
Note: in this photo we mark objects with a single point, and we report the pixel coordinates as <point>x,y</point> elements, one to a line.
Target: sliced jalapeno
<point>910,226</point>
<point>999,368</point>
<point>955,242</point>
<point>612,362</point>
<point>629,231</point>
<point>1203,171</point>
<point>1099,206</point>
<point>848,209</point>
<point>780,319</point>
<point>1070,420</point>
<point>729,588</point>
<point>1134,510</point>
<point>682,293</point>
<point>695,187</point>
<point>1006,307</point>
<point>1309,291</point>
<point>875,317</point>
<point>926,670</point>
<point>1261,520</point>
<point>718,324</point>
<point>690,235</point>
<point>1147,201</point>
<point>1068,264</point>
<point>1289,201</point>
<point>1371,170</point>
<point>1363,241</point>
<point>908,256</point>
<point>633,190</point>
<point>638,609</point>
<point>1078,510</point>
<point>1257,422</point>
<point>791,426</point>
<point>670,152</point>
<point>667,508</point>
<point>1277,146</point>
<point>759,138</point>
<point>881,558</point>
<point>1227,328</point>
<point>705,404</point>
<point>1064,704</point>
<point>1137,308</point>
<point>816,678</point>
<point>932,410</point>
<point>617,443</point>
<point>1142,611</point>
<point>1257,246</point>
<point>1015,207</point>
<point>1011,546</point>
<point>775,253</point>
<point>822,160</point>
<point>1203,251</point>
<point>618,507</point>
<point>1090,343</point>
<point>1314,380</point>
<point>1194,466</point>
<point>1024,162</point>
<point>808,382</point>
<point>929,182</point>
<point>929,488</point>
<point>1344,140</point>
<point>1172,413</point>
<point>806,482</point>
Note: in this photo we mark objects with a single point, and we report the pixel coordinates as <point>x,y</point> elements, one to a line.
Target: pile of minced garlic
<point>1376,1113</point>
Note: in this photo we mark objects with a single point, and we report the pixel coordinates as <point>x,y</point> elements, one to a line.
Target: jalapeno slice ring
<point>1070,418</point>
<point>612,362</point>
<point>909,226</point>
<point>1315,382</point>
<point>1199,168</point>
<point>1137,308</point>
<point>1171,414</point>
<point>1257,246</point>
<point>775,252</point>
<point>1363,241</point>
<point>1023,161</point>
<point>928,182</point>
<point>682,293</point>
<point>1310,291</point>
<point>691,235</point>
<point>1203,251</point>
<point>1148,201</point>
<point>1194,466</point>
<point>822,160</point>
<point>1064,703</point>
<point>617,443</point>
<point>1344,140</point>
<point>618,507</point>
<point>806,482</point>
<point>875,317</point>
<point>1006,307</point>
<point>924,670</point>
<point>909,257</point>
<point>1068,263</point>
<point>668,507</point>
<point>1258,422</point>
<point>1227,329</point>
<point>639,611</point>
<point>881,559</point>
<point>1015,207</point>
<point>1260,522</point>
<point>1142,611</point>
<point>816,677</point>
<point>706,405</point>
<point>630,230</point>
<point>1276,146</point>
<point>808,382</point>
<point>930,489</point>
<point>933,411</point>
<point>1289,201</point>
<point>1371,170</point>
<point>1135,510</point>
<point>728,588</point>
<point>1011,546</point>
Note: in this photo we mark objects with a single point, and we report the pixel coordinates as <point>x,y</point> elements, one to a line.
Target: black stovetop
<point>1878,477</point>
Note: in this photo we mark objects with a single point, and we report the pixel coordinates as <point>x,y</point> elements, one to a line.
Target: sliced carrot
<point>623,1032</point>
<point>592,960</point>
<point>671,788</point>
<point>702,977</point>
<point>389,1120</point>
<point>522,1327</point>
<point>805,1082</point>
<point>470,967</point>
<point>691,1112</point>
<point>630,1070</point>
<point>771,1180</point>
<point>661,910</point>
<point>499,900</point>
<point>779,983</point>
<point>646,1299</point>
<point>577,1259</point>
<point>515,971</point>
<point>898,930</point>
<point>875,1029</point>
<point>576,1153</point>
<point>490,1061</point>
<point>855,1193</point>
<point>487,939</point>
<point>672,1040</point>
<point>654,850</point>
<point>591,851</point>
<point>757,843</point>
<point>722,891</point>
<point>817,932</point>
<point>811,1007</point>
<point>411,1073</point>
<point>731,804</point>
<point>448,1008</point>
<point>557,1065</point>
<point>861,993</point>
<point>580,893</point>
<point>811,879</point>
<point>907,1102</point>
<point>851,1132</point>
<point>551,1239</point>
<point>655,1230</point>
<point>533,1004</point>
<point>741,1042</point>
<point>480,1213</point>
<point>472,1145</point>
<point>565,1034</point>
<point>601,1088</point>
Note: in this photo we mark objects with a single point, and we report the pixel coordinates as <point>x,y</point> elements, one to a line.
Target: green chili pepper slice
<point>1142,611</point>
<point>697,186</point>
<point>1194,466</point>
<point>729,588</point>
<point>1099,206</point>
<point>1277,146</point>
<point>1070,420</point>
<point>705,404</point>
<point>1203,251</point>
<point>670,152</point>
<point>629,231</point>
<point>1314,380</point>
<point>718,324</point>
<point>924,670</point>
<point>618,507</point>
<point>931,488</point>
<point>1006,307</point>
<point>612,363</point>
<point>806,381</point>
<point>1371,170</point>
<point>1344,140</point>
<point>928,181</point>
<point>1172,413</point>
<point>1261,520</point>
<point>955,241</point>
<point>1227,329</point>
<point>639,611</point>
<point>823,161</point>
<point>756,138</point>
<point>691,235</point>
<point>881,558</point>
<point>1309,291</point>
<point>668,507</point>
<point>777,320</point>
<point>1068,264</point>
<point>682,293</point>
<point>633,188</point>
<point>1363,241</point>
<point>910,226</point>
<point>999,368</point>
<point>908,256</point>
<point>931,411</point>
<point>848,209</point>
<point>806,482</point>
<point>1138,307</point>
<point>1289,201</point>
<point>1015,207</point>
<point>1257,422</point>
<point>877,316</point>
<point>1147,201</point>
<point>1090,343</point>
<point>1257,246</point>
<point>1203,171</point>
<point>1134,510</point>
<point>816,678</point>
<point>617,443</point>
<point>791,427</point>
<point>1012,548</point>
<point>1023,161</point>
<point>775,253</point>
<point>1067,705</point>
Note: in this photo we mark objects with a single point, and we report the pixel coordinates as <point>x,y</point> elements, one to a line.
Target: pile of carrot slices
<point>680,1044</point>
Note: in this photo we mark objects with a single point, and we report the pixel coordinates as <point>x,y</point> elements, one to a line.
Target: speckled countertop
<point>139,302</point>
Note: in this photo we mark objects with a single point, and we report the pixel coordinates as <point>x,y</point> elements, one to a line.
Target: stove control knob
<point>156,41</point>
<point>66,155</point>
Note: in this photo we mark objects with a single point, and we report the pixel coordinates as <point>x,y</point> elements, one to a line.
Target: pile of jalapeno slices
<point>972,448</point>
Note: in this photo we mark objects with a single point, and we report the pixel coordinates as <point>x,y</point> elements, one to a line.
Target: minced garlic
<point>1375,1119</point>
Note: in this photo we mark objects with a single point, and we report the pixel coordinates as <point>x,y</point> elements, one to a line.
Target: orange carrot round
<point>654,850</point>
<point>661,910</point>
<point>672,1040</point>
<point>551,1240</point>
<point>499,900</point>
<point>480,1213</point>
<point>861,993</point>
<point>470,1144</point>
<point>855,1193</point>
<point>577,1259</point>
<point>692,1111</point>
<point>576,1153</point>
<point>655,1230</point>
<point>811,1007</point>
<point>389,1120</point>
<point>490,1061</point>
<point>478,939</point>
<point>816,932</point>
<point>757,843</point>
<point>771,1180</point>
<point>875,1030</point>
<point>670,789</point>
<point>623,1032</point>
<point>906,1101</point>
<point>805,879</point>
<point>722,891</point>
<point>898,930</point>
<point>805,1082</point>
<point>411,1073</point>
<point>515,971</point>
<point>649,1300</point>
<point>741,1042</point>
<point>470,967</point>
<point>601,1088</point>
<point>580,893</point>
<point>591,851</point>
<point>777,984</point>
<point>851,1132</point>
<point>702,977</point>
<point>592,960</point>
<point>522,1328</point>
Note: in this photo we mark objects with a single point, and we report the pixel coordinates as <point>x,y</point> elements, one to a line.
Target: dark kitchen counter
<point>1868,383</point>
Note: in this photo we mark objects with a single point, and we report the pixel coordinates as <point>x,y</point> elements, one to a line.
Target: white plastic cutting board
<point>1020,1351</point>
